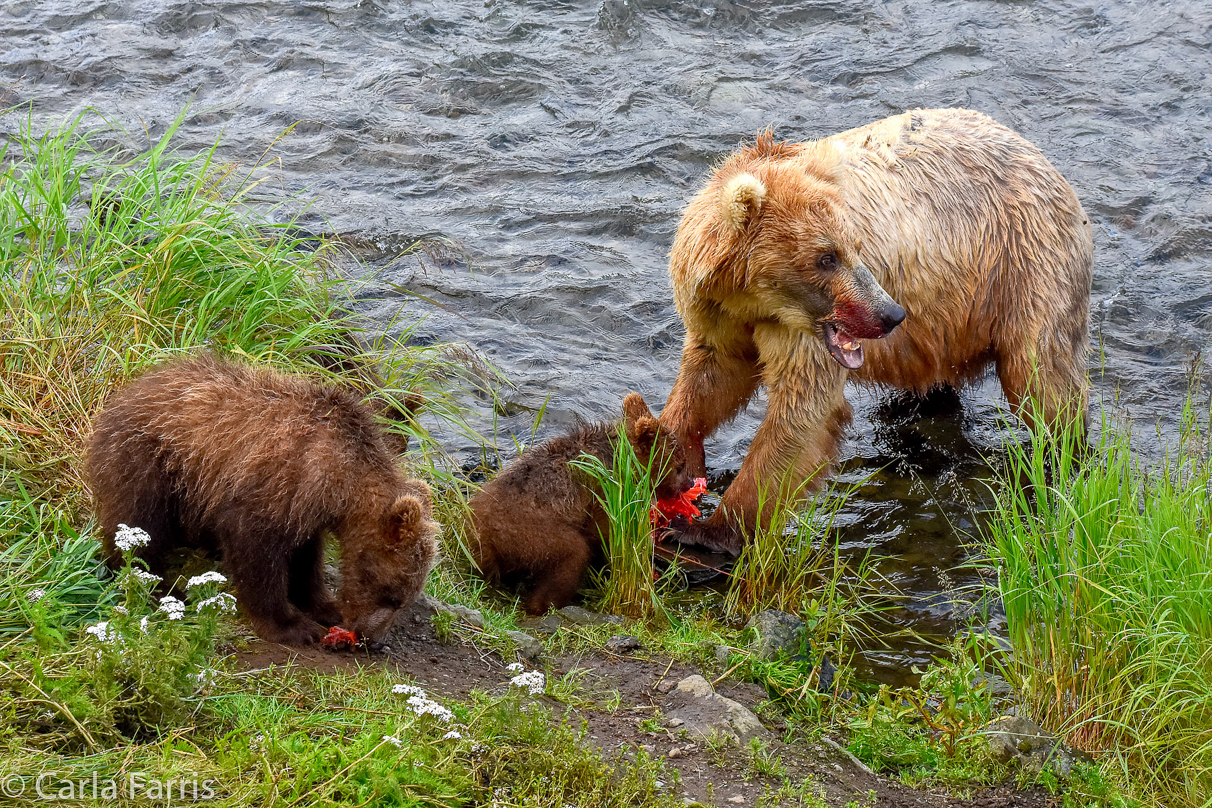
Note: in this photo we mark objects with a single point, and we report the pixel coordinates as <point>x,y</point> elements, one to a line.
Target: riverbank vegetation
<point>111,260</point>
<point>1105,570</point>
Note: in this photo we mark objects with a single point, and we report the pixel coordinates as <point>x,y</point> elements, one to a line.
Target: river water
<point>556,143</point>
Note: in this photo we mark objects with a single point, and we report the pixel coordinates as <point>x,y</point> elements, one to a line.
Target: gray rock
<point>548,624</point>
<point>775,633</point>
<point>704,713</point>
<point>471,617</point>
<point>1019,740</point>
<point>622,644</point>
<point>584,617</point>
<point>722,652</point>
<point>529,648</point>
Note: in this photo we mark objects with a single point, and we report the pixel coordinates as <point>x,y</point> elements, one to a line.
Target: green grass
<point>1105,570</point>
<point>626,489</point>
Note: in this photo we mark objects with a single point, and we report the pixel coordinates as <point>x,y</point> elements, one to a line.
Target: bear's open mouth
<point>843,347</point>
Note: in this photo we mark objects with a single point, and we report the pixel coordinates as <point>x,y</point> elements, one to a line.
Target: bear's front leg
<point>717,377</point>
<point>797,441</point>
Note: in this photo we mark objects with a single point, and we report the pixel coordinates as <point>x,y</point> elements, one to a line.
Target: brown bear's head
<point>657,449</point>
<point>768,238</point>
<point>385,559</point>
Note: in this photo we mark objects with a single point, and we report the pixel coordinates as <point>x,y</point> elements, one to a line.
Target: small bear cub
<point>538,524</point>
<point>209,453</point>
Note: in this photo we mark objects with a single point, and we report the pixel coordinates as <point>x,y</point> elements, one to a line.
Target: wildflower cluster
<point>130,538</point>
<point>534,681</point>
<point>421,704</point>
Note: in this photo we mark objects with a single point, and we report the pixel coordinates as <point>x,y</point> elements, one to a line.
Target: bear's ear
<point>643,433</point>
<point>634,408</point>
<point>741,199</point>
<point>406,513</point>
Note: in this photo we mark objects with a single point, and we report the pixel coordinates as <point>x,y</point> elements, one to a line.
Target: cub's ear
<point>741,199</point>
<point>406,513</point>
<point>634,408</point>
<point>643,433</point>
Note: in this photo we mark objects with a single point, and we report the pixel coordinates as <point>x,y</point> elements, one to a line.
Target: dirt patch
<point>622,700</point>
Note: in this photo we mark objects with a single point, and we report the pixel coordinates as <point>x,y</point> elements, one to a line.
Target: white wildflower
<point>143,625</point>
<point>121,610</point>
<point>211,577</point>
<point>103,632</point>
<point>222,601</point>
<point>407,690</point>
<point>145,576</point>
<point>394,741</point>
<point>172,607</point>
<point>128,538</point>
<point>452,736</point>
<point>423,706</point>
<point>515,667</point>
<point>36,595</point>
<point>202,679</point>
<point>534,680</point>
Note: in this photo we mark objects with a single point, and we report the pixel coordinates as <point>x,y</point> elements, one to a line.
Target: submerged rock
<point>695,706</point>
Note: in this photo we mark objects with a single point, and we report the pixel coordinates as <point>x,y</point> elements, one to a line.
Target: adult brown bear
<point>794,252</point>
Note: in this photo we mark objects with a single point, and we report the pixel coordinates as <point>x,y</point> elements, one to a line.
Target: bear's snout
<point>892,316</point>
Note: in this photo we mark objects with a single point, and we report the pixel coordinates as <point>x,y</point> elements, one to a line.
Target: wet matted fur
<point>205,452</point>
<point>538,524</point>
<point>794,267</point>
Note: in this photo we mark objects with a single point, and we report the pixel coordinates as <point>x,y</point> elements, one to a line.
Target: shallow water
<point>557,143</point>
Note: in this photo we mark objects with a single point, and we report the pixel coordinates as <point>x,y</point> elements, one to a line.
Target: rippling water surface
<point>557,143</point>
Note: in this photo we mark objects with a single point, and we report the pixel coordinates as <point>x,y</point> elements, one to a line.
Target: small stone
<point>471,617</point>
<point>664,686</point>
<point>674,723</point>
<point>775,633</point>
<point>706,713</point>
<point>675,752</point>
<point>550,624</point>
<point>622,644</point>
<point>722,652</point>
<point>737,800</point>
<point>529,648</point>
<point>584,617</point>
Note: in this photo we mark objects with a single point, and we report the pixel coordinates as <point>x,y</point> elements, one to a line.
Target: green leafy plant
<point>625,490</point>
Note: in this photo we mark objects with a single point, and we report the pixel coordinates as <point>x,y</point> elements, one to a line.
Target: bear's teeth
<point>850,345</point>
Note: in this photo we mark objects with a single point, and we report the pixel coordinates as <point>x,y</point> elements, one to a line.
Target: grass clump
<point>625,489</point>
<point>110,260</point>
<point>1105,570</point>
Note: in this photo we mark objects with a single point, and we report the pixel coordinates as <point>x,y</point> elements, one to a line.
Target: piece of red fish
<point>339,639</point>
<point>666,510</point>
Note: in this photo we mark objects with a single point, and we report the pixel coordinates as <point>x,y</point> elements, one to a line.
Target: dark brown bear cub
<point>209,453</point>
<point>538,523</point>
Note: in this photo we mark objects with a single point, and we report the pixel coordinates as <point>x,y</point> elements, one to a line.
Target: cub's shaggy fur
<point>210,453</point>
<point>538,523</point>
<point>793,268</point>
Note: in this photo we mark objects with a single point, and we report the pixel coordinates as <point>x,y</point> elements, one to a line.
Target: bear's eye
<point>828,261</point>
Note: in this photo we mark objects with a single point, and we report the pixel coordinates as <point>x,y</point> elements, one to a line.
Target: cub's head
<point>385,560</point>
<point>656,449</point>
<point>768,238</point>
